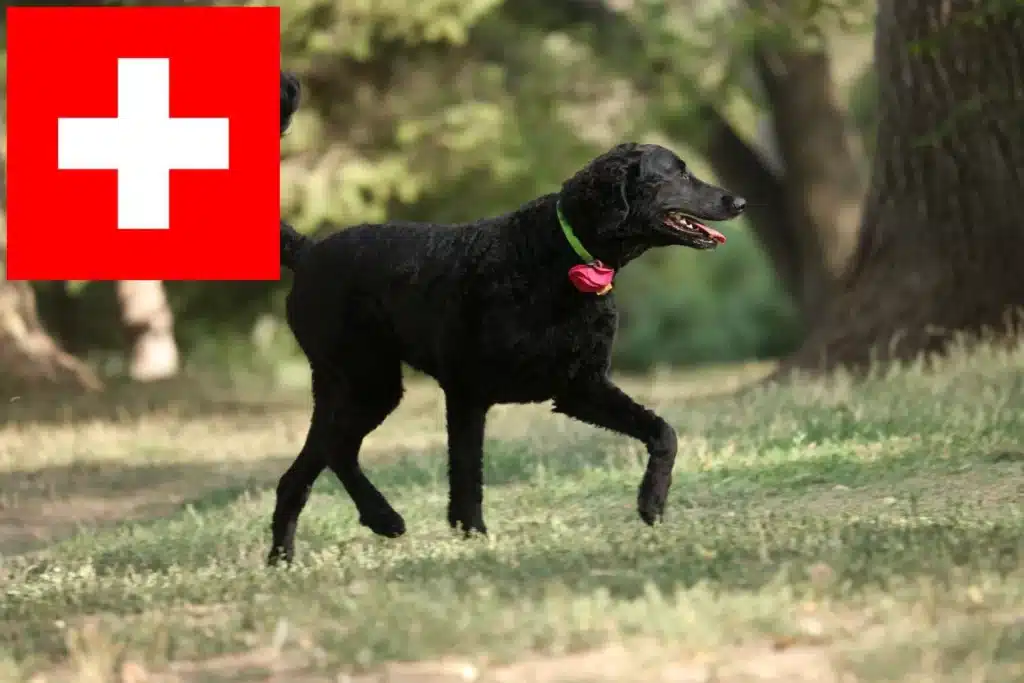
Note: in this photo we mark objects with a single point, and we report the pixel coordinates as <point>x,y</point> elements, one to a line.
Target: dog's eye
<point>682,167</point>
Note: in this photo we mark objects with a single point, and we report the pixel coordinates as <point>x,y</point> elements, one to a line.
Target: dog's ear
<point>628,182</point>
<point>657,162</point>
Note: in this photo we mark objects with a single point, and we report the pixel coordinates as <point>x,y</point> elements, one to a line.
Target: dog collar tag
<point>592,278</point>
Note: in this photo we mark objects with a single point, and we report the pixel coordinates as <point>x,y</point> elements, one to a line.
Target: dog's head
<point>290,91</point>
<point>635,197</point>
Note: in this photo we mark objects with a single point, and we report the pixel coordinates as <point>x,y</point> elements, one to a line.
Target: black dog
<point>290,90</point>
<point>509,309</point>
<point>291,93</point>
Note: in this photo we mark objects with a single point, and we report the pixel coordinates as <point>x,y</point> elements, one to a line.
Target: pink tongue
<point>713,234</point>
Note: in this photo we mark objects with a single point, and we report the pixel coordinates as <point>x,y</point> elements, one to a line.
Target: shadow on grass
<point>123,401</point>
<point>109,493</point>
<point>722,521</point>
<point>790,555</point>
<point>740,553</point>
<point>212,484</point>
<point>46,505</point>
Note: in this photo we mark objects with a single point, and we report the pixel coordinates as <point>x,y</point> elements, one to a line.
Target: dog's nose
<point>734,203</point>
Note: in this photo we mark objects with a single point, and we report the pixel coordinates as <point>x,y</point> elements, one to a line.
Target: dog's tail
<point>293,243</point>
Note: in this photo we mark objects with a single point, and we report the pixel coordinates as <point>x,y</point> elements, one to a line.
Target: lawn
<point>816,532</point>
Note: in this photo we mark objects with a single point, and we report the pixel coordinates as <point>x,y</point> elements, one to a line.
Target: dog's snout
<point>734,203</point>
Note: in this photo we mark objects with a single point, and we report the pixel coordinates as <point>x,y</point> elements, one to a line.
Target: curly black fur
<point>488,311</point>
<point>291,92</point>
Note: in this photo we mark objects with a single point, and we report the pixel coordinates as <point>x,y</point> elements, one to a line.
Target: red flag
<point>142,143</point>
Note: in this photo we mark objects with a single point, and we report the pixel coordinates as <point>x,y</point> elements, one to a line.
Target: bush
<point>681,307</point>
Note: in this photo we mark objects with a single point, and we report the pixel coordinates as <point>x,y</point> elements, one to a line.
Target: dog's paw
<point>650,502</point>
<point>468,529</point>
<point>384,522</point>
<point>279,554</point>
<point>467,521</point>
<point>650,512</point>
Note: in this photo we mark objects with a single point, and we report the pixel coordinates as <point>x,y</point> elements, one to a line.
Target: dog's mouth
<point>691,227</point>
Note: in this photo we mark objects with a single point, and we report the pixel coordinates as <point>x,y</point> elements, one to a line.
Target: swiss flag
<point>142,143</point>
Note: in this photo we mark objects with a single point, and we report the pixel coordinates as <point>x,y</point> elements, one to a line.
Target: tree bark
<point>739,166</point>
<point>149,323</point>
<point>941,241</point>
<point>824,184</point>
<point>29,357</point>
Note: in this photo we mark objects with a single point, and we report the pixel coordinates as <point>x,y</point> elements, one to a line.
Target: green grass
<point>816,532</point>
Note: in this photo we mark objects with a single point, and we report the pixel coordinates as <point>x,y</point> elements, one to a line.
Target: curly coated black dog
<point>511,309</point>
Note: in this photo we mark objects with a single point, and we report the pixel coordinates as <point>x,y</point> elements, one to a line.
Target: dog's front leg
<point>466,420</point>
<point>599,402</point>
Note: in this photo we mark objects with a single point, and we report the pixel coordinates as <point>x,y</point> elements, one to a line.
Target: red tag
<point>592,278</point>
<point>142,143</point>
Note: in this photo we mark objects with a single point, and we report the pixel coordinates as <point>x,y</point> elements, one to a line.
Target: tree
<point>149,323</point>
<point>411,106</point>
<point>29,357</point>
<point>821,180</point>
<point>941,240</point>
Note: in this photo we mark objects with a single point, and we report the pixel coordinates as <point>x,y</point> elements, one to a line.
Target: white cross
<point>143,144</point>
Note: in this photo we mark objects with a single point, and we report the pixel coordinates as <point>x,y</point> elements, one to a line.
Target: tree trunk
<point>804,205</point>
<point>740,167</point>
<point>29,357</point>
<point>149,323</point>
<point>824,184</point>
<point>942,240</point>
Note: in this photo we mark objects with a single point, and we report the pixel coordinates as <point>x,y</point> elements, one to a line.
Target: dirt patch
<point>40,508</point>
<point>983,485</point>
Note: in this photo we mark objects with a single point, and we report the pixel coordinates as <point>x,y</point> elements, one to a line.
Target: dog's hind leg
<point>344,412</point>
<point>600,403</point>
<point>370,394</point>
<point>294,486</point>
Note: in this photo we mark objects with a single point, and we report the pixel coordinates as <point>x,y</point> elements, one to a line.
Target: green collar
<point>570,236</point>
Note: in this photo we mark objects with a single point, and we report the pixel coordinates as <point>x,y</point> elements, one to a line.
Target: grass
<point>816,532</point>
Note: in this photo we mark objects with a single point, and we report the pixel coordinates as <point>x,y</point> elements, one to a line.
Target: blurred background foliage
<point>450,110</point>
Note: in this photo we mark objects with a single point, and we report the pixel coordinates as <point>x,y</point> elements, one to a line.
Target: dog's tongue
<point>714,234</point>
